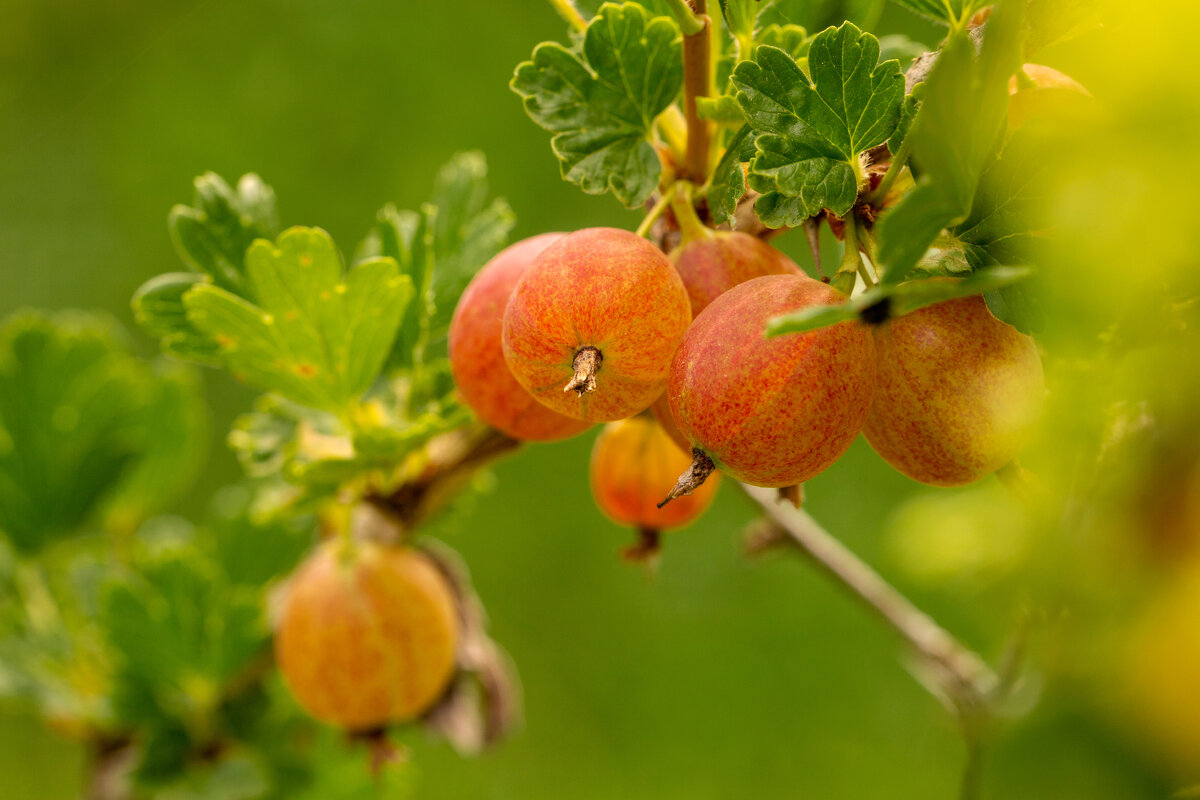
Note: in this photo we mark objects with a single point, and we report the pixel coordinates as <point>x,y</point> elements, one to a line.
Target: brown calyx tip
<point>792,494</point>
<point>647,546</point>
<point>586,364</point>
<point>701,467</point>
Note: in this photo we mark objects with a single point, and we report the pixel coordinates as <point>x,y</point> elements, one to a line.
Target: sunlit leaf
<point>601,103</point>
<point>313,333</point>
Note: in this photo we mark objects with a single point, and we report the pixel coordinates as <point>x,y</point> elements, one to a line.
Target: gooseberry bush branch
<point>371,429</point>
<point>960,676</point>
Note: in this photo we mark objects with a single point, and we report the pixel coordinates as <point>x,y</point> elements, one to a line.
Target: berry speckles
<point>600,288</point>
<point>772,412</point>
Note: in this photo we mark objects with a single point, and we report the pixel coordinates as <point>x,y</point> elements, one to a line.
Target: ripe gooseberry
<point>633,462</point>
<point>592,324</point>
<point>957,392</point>
<point>477,356</point>
<point>770,412</point>
<point>712,262</point>
<point>368,634</point>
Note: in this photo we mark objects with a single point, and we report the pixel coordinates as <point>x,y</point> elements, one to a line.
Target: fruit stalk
<point>962,676</point>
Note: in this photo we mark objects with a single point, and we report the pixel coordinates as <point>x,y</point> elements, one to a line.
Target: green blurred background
<point>715,678</point>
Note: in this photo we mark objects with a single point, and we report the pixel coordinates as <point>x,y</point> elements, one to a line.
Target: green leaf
<point>810,135</point>
<point>407,237</point>
<point>80,427</point>
<point>158,308</point>
<point>908,112</point>
<point>728,182</point>
<point>440,248</point>
<point>817,15</point>
<point>723,109</point>
<point>1017,305</point>
<point>179,633</point>
<point>740,16</point>
<point>955,134</point>
<point>900,47</point>
<point>237,777</point>
<point>252,553</point>
<point>213,234</point>
<point>172,441</point>
<point>467,231</point>
<point>315,336</point>
<point>1002,226</point>
<point>792,39</point>
<point>951,12</point>
<point>601,104</point>
<point>892,300</point>
<point>1052,21</point>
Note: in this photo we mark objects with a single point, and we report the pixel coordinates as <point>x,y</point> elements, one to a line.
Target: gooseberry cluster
<point>559,331</point>
<point>670,352</point>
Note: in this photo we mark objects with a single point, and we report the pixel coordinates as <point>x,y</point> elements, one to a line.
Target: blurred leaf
<point>740,16</point>
<point>282,437</point>
<point>237,777</point>
<point>900,47</point>
<point>955,132</point>
<point>173,440</point>
<point>179,634</point>
<point>601,104</point>
<point>950,12</point>
<point>792,39</point>
<point>467,231</point>
<point>314,448</point>
<point>908,112</point>
<point>1003,224</point>
<point>728,182</point>
<point>440,248</point>
<point>817,15</point>
<point>213,234</point>
<point>949,260</point>
<point>407,237</point>
<point>253,553</point>
<point>810,136</point>
<point>162,754</point>
<point>158,308</point>
<point>892,300</point>
<point>723,109</point>
<point>1053,21</point>
<point>317,336</point>
<point>83,425</point>
<point>1017,305</point>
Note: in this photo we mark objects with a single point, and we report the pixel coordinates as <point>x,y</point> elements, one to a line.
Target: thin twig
<point>961,673</point>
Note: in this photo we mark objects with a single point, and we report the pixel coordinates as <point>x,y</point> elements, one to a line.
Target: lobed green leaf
<point>955,133</point>
<point>601,103</point>
<point>810,135</point>
<point>158,308</point>
<point>313,334</point>
<point>728,182</point>
<point>212,235</point>
<point>88,434</point>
